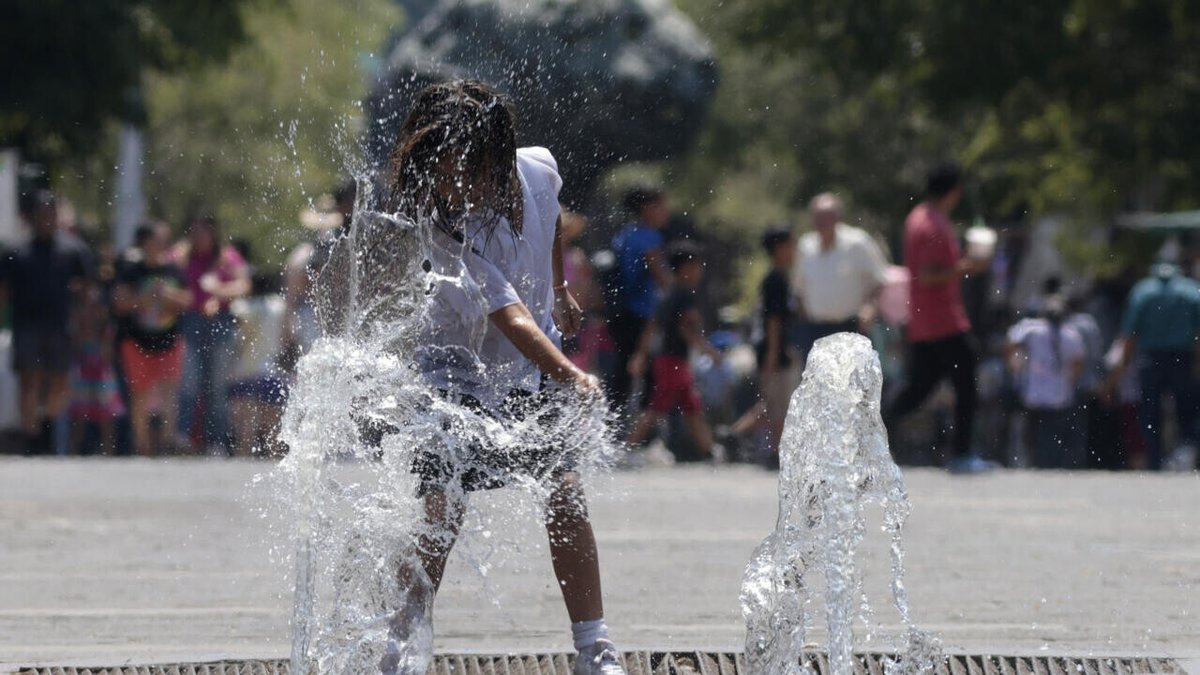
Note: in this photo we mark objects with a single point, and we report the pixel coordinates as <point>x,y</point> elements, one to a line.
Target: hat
<point>322,215</point>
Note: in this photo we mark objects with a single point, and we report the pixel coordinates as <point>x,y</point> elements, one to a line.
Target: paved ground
<point>136,561</point>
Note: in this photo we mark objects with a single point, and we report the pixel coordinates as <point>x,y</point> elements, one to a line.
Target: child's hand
<point>567,314</point>
<point>587,384</point>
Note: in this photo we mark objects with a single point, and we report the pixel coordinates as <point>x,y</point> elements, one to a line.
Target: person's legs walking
<point>1153,377</point>
<point>626,331</point>
<point>924,373</point>
<point>960,362</point>
<point>1183,387</point>
<point>190,327</point>
<point>221,358</point>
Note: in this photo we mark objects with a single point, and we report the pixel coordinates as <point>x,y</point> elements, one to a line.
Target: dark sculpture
<point>597,81</point>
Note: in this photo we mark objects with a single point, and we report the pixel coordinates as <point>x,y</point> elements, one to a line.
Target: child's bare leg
<point>443,521</point>
<point>78,427</point>
<point>751,419</point>
<point>168,411</point>
<point>641,429</point>
<point>698,428</point>
<point>31,382</point>
<point>573,550</point>
<point>108,438</point>
<point>139,420</point>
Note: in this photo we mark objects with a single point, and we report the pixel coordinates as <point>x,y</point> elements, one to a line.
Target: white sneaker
<point>601,659</point>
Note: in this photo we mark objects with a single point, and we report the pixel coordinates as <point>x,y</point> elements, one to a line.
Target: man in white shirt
<point>837,275</point>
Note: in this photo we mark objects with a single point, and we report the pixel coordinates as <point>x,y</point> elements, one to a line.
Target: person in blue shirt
<point>1162,323</point>
<point>643,276</point>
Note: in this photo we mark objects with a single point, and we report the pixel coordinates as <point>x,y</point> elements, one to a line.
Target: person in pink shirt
<point>216,275</point>
<point>938,333</point>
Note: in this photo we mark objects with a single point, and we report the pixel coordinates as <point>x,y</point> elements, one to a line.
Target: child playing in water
<point>495,213</point>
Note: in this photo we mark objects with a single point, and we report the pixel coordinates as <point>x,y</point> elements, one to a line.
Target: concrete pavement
<point>128,561</point>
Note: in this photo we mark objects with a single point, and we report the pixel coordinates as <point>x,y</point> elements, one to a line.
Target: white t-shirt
<point>1045,379</point>
<point>465,353</point>
<point>833,285</point>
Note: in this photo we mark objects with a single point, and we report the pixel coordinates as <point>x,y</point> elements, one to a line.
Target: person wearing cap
<point>1162,323</point>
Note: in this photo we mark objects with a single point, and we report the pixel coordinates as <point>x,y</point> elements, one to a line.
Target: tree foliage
<point>71,67</point>
<point>1065,101</point>
<point>259,137</point>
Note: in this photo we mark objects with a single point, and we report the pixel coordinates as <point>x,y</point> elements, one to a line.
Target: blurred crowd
<point>178,346</point>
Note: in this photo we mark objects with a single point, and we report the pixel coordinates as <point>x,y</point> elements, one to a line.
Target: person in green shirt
<point>1162,322</point>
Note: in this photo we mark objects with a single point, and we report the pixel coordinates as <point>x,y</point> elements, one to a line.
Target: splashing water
<point>834,460</point>
<point>360,415</point>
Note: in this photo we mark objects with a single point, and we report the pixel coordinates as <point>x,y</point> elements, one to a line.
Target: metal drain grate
<point>673,663</point>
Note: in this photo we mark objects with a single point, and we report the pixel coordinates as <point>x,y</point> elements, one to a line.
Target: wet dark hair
<point>942,179</point>
<point>682,253</point>
<point>775,237</point>
<point>143,233</point>
<point>472,124</point>
<point>639,197</point>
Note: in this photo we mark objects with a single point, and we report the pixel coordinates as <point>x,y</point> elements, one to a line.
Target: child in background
<point>1047,357</point>
<point>95,399</point>
<point>680,325</point>
<point>152,293</point>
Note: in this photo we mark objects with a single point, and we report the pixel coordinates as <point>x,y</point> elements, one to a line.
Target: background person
<point>216,274</point>
<point>643,274</point>
<point>152,294</point>
<point>938,330</point>
<point>838,273</point>
<point>95,399</point>
<point>1162,323</point>
<point>681,327</point>
<point>1048,358</point>
<point>42,280</point>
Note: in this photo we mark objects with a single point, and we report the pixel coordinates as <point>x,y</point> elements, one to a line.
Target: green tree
<point>1069,103</point>
<point>72,67</point>
<point>260,136</point>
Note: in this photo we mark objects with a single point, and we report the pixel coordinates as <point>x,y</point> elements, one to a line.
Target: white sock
<point>587,632</point>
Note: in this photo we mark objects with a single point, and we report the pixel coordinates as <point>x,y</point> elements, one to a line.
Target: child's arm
<point>656,262</point>
<point>774,333</point>
<point>691,330</point>
<point>517,324</point>
<point>567,314</point>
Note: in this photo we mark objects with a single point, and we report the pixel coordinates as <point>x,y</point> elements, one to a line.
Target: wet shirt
<point>1163,313</point>
<point>670,320</point>
<point>936,311</point>
<point>484,273</point>
<point>152,326</point>
<point>638,294</point>
<point>775,296</point>
<point>39,275</point>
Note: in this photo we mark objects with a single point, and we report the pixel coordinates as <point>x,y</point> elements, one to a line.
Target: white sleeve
<point>498,293</point>
<point>545,161</point>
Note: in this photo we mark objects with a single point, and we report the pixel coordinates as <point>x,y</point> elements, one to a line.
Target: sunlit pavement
<point>135,561</point>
